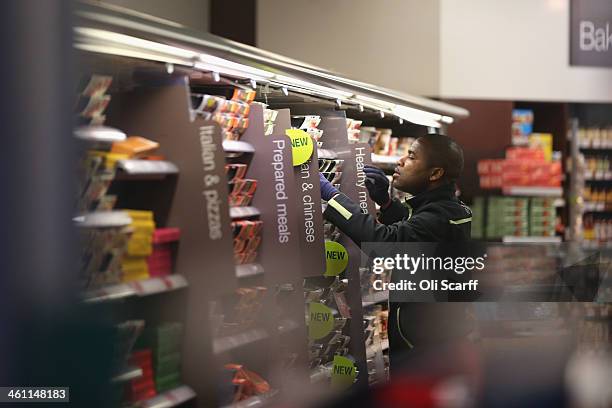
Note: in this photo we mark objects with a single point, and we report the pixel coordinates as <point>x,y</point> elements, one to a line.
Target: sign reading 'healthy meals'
<point>591,33</point>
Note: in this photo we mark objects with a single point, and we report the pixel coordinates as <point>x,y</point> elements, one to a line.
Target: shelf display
<point>214,188</point>
<point>595,138</point>
<point>526,217</point>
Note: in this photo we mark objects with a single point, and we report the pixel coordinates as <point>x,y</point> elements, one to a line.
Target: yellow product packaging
<point>542,141</point>
<point>110,159</point>
<point>134,268</point>
<point>140,215</point>
<point>140,245</point>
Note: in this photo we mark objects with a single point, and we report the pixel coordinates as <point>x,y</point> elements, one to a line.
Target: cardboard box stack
<point>143,387</point>
<point>140,246</point>
<point>160,260</point>
<point>165,343</point>
<point>542,217</point>
<point>522,167</point>
<point>507,216</point>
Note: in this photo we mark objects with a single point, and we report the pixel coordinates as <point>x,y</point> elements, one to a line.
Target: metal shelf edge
<point>170,398</point>
<point>227,343</point>
<point>237,146</point>
<point>140,288</point>
<point>145,167</point>
<point>243,212</point>
<point>248,270</point>
<point>129,373</point>
<point>531,239</point>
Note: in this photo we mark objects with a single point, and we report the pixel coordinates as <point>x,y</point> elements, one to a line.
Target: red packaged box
<point>165,235</point>
<point>525,154</point>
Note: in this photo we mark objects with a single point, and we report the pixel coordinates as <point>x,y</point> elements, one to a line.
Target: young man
<point>428,172</point>
<point>433,214</point>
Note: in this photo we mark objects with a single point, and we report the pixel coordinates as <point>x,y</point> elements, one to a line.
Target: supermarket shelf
<point>103,219</point>
<point>326,154</point>
<point>376,297</point>
<point>534,240</point>
<point>257,401</point>
<point>227,343</point>
<point>99,134</point>
<point>534,191</point>
<point>236,146</point>
<point>147,167</point>
<point>171,398</point>
<point>592,206</point>
<point>386,160</point>
<point>127,374</point>
<point>248,270</point>
<point>598,175</point>
<point>596,245</point>
<point>141,288</point>
<point>243,212</point>
<point>604,148</point>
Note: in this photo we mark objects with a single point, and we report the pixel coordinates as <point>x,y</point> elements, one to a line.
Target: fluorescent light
<point>367,100</point>
<point>96,40</point>
<point>127,40</point>
<point>234,66</point>
<point>314,87</point>
<point>417,116</point>
<point>227,71</point>
<point>130,53</point>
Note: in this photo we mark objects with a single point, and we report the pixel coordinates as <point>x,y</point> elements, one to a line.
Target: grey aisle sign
<point>591,33</point>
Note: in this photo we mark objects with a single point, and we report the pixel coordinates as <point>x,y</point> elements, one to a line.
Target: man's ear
<point>436,174</point>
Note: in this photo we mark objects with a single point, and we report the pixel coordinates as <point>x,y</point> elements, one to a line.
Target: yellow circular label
<point>344,373</point>
<point>301,145</point>
<point>336,258</point>
<point>320,321</point>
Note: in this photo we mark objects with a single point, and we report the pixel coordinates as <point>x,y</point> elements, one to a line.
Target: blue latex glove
<point>327,189</point>
<point>377,185</point>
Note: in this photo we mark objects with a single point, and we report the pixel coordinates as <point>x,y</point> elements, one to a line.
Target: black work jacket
<point>433,216</point>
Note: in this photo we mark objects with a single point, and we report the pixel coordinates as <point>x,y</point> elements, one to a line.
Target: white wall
<point>190,13</point>
<point>513,49</point>
<point>390,43</point>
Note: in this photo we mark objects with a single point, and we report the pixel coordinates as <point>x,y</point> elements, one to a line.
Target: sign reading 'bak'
<point>591,33</point>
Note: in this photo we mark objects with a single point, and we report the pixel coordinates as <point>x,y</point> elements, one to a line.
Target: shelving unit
<point>534,191</point>
<point>127,374</point>
<point>145,287</point>
<point>188,189</point>
<point>531,240</point>
<point>225,344</point>
<point>172,398</point>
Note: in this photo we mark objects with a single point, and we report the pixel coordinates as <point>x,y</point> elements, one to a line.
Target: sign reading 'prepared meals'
<point>591,33</point>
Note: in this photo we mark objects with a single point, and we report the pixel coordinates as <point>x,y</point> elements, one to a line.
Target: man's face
<point>412,173</point>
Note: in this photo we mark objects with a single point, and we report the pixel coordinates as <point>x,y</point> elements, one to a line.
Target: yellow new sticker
<point>301,145</point>
<point>336,258</point>
<point>344,373</point>
<point>320,321</point>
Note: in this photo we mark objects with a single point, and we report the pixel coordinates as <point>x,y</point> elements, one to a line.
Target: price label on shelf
<point>301,145</point>
<point>336,258</point>
<point>320,321</point>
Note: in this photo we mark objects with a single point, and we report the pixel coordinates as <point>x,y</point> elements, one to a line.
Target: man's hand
<point>327,189</point>
<point>377,185</point>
